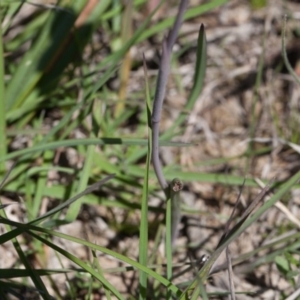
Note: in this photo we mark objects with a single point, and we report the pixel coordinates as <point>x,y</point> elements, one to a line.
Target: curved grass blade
<point>80,263</point>
<point>58,208</point>
<point>88,141</point>
<point>35,277</point>
<point>15,232</point>
<point>136,265</point>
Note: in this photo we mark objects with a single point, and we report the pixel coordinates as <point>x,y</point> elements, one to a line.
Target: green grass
<point>57,93</point>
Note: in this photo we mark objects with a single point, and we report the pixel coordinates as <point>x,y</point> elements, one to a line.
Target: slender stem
<point>143,249</point>
<point>3,149</point>
<point>175,188</point>
<point>168,244</point>
<point>162,79</point>
<point>156,114</point>
<point>173,202</point>
<point>172,221</point>
<point>230,274</point>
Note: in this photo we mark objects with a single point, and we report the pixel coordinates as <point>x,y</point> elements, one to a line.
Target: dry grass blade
<point>228,223</point>
<point>295,295</point>
<point>230,274</point>
<point>282,207</point>
<point>258,199</point>
<point>245,215</point>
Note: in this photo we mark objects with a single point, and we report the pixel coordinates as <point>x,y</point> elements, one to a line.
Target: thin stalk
<point>168,244</point>
<point>143,244</point>
<point>230,274</point>
<point>172,194</point>
<point>172,221</point>
<point>3,149</point>
<point>255,100</point>
<point>175,188</point>
<point>162,79</point>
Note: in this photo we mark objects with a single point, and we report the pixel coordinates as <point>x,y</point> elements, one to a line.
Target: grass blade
<point>88,141</point>
<point>198,81</point>
<point>143,242</point>
<point>26,227</point>
<point>73,210</point>
<point>39,284</point>
<point>80,263</point>
<point>2,103</point>
<point>175,187</point>
<point>15,232</point>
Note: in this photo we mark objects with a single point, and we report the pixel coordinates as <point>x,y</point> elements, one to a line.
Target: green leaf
<point>282,264</point>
